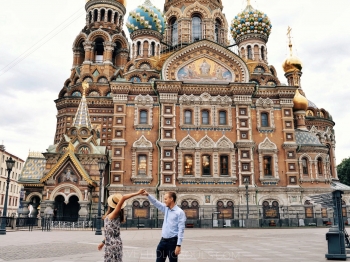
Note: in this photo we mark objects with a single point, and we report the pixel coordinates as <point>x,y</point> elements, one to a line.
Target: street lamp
<point>101,167</point>
<point>9,164</point>
<point>246,183</point>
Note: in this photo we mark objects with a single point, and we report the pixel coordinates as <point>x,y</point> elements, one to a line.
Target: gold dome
<point>300,102</point>
<point>291,64</point>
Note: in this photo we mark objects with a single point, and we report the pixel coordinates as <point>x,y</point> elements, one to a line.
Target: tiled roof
<point>306,138</point>
<point>33,169</point>
<point>339,186</point>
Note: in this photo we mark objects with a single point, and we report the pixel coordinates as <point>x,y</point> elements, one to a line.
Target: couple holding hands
<point>172,230</point>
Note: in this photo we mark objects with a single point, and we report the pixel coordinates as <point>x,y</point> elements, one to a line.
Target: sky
<point>36,59</point>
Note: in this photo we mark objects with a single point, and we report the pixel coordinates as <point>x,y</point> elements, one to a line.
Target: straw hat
<point>113,200</point>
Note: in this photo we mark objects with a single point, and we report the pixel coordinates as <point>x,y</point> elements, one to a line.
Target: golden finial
<point>85,86</point>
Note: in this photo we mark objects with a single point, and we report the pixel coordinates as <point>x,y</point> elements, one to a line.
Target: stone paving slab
<point>200,245</point>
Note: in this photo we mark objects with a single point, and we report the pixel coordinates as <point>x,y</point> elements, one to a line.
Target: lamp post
<point>101,168</point>
<point>9,164</point>
<point>246,183</point>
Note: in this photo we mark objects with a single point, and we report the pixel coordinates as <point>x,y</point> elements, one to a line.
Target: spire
<point>289,34</point>
<point>82,118</point>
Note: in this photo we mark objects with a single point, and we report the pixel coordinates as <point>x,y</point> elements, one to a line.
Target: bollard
<point>336,236</point>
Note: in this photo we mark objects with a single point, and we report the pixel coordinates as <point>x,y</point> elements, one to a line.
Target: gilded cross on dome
<point>289,34</point>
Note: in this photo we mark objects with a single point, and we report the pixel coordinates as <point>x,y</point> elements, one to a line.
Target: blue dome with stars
<point>146,16</point>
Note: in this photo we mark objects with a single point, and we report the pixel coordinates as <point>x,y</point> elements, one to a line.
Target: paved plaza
<point>204,245</point>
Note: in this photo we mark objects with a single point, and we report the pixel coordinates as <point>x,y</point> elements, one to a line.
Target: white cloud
<point>27,91</point>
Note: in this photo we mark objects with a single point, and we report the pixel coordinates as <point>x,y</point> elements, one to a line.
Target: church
<point>185,101</point>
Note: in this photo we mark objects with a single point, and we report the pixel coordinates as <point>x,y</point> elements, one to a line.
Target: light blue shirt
<point>174,220</point>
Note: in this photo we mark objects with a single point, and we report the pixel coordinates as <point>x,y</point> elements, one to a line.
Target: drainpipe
<point>158,147</point>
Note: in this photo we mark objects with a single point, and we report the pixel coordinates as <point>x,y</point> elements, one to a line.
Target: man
<point>173,227</point>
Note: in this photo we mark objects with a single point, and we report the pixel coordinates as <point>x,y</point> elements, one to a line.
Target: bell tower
<point>189,21</point>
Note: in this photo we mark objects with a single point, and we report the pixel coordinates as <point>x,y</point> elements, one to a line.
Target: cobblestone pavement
<point>200,245</point>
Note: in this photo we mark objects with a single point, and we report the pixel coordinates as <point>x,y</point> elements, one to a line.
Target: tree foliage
<point>344,171</point>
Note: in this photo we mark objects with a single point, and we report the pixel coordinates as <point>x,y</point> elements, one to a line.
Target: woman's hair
<point>110,210</point>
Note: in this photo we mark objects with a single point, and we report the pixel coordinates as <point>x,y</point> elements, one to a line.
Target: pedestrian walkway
<point>200,245</point>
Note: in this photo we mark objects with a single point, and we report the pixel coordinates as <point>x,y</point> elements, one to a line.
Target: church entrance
<point>66,212</point>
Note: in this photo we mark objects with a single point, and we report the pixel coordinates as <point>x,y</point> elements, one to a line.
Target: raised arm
<point>161,206</point>
<point>117,209</point>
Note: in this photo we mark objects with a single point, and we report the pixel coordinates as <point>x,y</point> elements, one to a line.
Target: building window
<point>118,152</point>
<point>153,49</point>
<point>289,124</point>
<point>304,163</point>
<point>319,166</point>
<point>262,53</point>
<point>217,30</point>
<point>287,112</point>
<point>245,154</point>
<point>168,153</point>
<point>188,165</point>
<point>289,137</point>
<point>206,165</point>
<point>142,165</point>
<point>223,165</point>
<point>117,165</point>
<point>196,28</point>
<point>264,120</point>
<point>250,52</point>
<point>168,121</point>
<point>168,134</point>
<point>188,117</point>
<point>143,117</point>
<point>174,32</point>
<point>205,117</point>
<point>243,123</point>
<point>222,118</point>
<point>267,166</point>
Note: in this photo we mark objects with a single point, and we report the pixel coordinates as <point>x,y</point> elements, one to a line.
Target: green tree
<point>344,171</point>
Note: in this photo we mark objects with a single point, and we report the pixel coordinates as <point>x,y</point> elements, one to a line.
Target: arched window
<point>99,50</point>
<point>319,166</point>
<point>206,165</point>
<point>95,15</point>
<point>143,117</point>
<point>205,117</point>
<point>103,13</point>
<point>217,31</point>
<point>226,212</point>
<point>90,17</point>
<point>188,117</point>
<point>138,48</point>
<point>304,163</point>
<point>115,17</point>
<point>174,32</point>
<point>224,165</point>
<point>250,52</point>
<point>264,120</point>
<point>109,16</point>
<point>222,118</point>
<point>196,28</point>
<point>153,49</point>
<point>188,165</point>
<point>142,165</point>
<point>267,166</point>
<point>262,53</point>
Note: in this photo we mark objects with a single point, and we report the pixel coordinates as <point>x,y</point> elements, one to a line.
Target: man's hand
<point>177,250</point>
<point>100,246</point>
<point>145,193</point>
<point>141,192</point>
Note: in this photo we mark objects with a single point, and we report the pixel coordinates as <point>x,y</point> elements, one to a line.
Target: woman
<point>112,219</point>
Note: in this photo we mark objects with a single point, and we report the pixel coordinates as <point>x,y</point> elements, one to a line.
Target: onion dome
<point>146,16</point>
<point>251,21</point>
<point>300,102</point>
<point>292,63</point>
<point>123,2</point>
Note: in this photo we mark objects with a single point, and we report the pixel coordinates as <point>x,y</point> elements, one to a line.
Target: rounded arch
<point>143,61</point>
<point>129,65</point>
<point>76,89</point>
<point>217,15</point>
<point>223,198</point>
<point>197,8</point>
<point>134,77</point>
<point>306,156</point>
<point>173,12</point>
<point>56,192</point>
<point>62,93</point>
<point>119,38</point>
<point>99,34</point>
<point>190,198</point>
<point>270,199</point>
<point>79,39</point>
<point>67,82</point>
<point>29,197</point>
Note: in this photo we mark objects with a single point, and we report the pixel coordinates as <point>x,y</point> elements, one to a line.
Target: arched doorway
<point>35,203</point>
<point>66,212</point>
